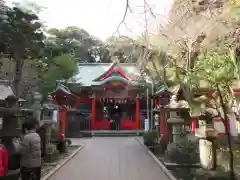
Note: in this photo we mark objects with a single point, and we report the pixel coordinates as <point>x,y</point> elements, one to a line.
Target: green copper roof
<point>87,72</point>
<point>162,88</point>
<point>165,88</point>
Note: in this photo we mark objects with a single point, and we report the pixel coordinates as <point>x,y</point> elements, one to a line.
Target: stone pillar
<point>177,126</point>
<point>37,107</point>
<point>207,147</point>
<point>207,150</point>
<point>177,132</point>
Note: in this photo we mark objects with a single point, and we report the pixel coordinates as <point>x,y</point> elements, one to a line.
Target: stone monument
<point>46,125</point>
<point>179,149</point>
<point>207,150</point>
<point>11,128</point>
<point>176,119</point>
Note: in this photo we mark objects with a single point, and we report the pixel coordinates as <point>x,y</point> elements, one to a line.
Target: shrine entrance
<point>129,113</point>
<point>85,102</point>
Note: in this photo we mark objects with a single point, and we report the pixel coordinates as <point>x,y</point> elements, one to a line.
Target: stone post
<point>207,147</point>
<point>47,123</point>
<point>207,150</point>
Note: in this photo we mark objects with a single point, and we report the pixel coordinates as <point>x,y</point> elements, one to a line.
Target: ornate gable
<point>114,70</point>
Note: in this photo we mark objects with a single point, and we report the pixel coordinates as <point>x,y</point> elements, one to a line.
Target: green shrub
<point>150,138</point>
<point>150,134</point>
<point>54,134</point>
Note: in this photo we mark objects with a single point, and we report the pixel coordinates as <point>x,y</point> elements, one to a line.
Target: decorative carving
<point>177,104</point>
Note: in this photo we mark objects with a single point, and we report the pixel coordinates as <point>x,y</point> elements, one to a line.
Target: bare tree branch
<point>124,16</point>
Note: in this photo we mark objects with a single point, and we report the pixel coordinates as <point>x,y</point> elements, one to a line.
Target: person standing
<point>110,107</point>
<point>29,149</point>
<point>117,116</point>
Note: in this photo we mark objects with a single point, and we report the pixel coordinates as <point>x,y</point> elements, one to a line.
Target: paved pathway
<point>121,158</point>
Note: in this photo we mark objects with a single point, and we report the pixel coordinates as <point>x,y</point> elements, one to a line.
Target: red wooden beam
<point>93,112</point>
<point>137,114</point>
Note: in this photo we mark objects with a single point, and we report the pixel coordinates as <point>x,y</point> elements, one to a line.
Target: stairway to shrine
<point>112,133</point>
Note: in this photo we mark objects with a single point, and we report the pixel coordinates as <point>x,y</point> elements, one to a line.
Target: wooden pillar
<point>62,122</point>
<point>163,123</point>
<point>93,112</point>
<point>194,125</point>
<point>76,103</point>
<point>137,114</point>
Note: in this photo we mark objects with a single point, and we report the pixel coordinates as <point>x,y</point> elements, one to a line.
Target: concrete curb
<point>161,165</point>
<point>53,171</point>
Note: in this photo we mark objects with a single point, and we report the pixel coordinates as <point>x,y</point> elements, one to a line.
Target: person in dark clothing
<point>110,109</point>
<point>117,114</point>
<point>30,150</point>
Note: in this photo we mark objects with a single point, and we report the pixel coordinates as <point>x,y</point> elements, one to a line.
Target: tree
<point>200,51</point>
<point>220,70</point>
<point>63,68</point>
<point>21,38</point>
<point>126,49</point>
<point>73,40</point>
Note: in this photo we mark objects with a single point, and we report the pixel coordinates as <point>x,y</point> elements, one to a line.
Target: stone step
<point>112,133</point>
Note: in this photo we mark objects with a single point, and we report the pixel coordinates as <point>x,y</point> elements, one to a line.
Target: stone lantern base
<point>202,174</point>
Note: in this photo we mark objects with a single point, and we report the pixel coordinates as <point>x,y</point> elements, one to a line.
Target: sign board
<point>146,125</point>
<point>55,115</point>
<point>219,126</point>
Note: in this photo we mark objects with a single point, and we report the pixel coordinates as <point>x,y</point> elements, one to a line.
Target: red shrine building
<point>83,102</point>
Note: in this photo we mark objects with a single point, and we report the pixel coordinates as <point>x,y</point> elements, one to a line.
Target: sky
<point>102,17</point>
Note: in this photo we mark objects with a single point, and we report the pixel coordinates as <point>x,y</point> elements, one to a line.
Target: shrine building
<point>94,86</point>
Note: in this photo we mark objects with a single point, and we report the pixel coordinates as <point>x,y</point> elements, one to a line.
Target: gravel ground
<point>47,167</point>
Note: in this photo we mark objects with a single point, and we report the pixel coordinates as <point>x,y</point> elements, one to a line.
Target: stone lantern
<point>207,142</point>
<point>178,116</point>
<point>176,122</point>
<point>11,129</point>
<point>46,125</point>
<point>179,149</point>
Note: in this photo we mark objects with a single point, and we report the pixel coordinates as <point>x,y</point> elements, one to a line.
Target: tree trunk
<point>225,122</point>
<point>17,76</point>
